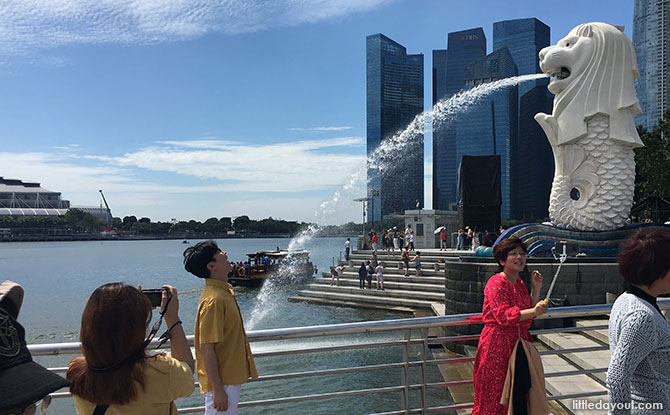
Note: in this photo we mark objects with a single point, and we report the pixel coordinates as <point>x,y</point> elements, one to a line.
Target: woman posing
<point>116,375</point>
<point>638,376</point>
<point>507,314</point>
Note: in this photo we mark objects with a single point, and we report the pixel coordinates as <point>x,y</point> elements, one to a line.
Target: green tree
<point>128,222</point>
<point>226,223</point>
<point>241,223</point>
<point>652,162</point>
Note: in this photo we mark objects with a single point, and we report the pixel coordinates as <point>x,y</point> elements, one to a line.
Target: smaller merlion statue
<point>591,130</point>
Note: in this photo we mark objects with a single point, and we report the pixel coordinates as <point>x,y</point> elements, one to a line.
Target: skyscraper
<point>533,170</point>
<point>490,127</point>
<point>449,65</point>
<point>651,39</point>
<point>394,99</point>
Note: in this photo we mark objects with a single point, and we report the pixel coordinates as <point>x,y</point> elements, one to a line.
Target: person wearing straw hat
<point>22,381</point>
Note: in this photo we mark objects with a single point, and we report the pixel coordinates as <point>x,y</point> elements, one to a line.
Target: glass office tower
<point>449,65</point>
<point>490,127</point>
<point>394,98</point>
<point>651,38</point>
<point>534,169</point>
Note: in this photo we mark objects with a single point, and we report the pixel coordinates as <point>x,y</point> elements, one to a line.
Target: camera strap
<point>157,325</point>
<point>100,409</point>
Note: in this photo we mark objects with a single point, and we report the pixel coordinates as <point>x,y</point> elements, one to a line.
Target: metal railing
<point>416,360</point>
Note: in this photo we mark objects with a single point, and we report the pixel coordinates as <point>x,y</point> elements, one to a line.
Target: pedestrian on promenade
<point>374,241</point>
<point>373,259</point>
<point>475,239</point>
<point>347,247</point>
<point>408,232</point>
<point>443,239</point>
<point>362,273</point>
<point>507,315</point>
<point>222,352</point>
<point>396,239</point>
<point>639,335</point>
<point>460,239</point>
<point>116,375</point>
<point>417,263</point>
<point>411,241</point>
<point>405,258</point>
<point>370,270</point>
<point>380,277</point>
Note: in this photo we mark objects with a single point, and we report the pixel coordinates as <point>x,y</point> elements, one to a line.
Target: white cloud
<point>285,167</point>
<point>265,180</point>
<point>321,129</point>
<point>28,25</point>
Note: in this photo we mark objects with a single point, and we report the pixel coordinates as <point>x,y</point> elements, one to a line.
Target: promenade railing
<point>416,363</point>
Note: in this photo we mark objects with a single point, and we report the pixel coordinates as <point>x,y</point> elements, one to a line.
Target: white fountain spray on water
<point>384,158</point>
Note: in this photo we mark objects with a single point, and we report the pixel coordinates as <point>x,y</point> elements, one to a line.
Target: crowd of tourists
<point>117,374</point>
<point>392,239</point>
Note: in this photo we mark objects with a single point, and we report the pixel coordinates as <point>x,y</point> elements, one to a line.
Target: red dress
<point>503,302</point>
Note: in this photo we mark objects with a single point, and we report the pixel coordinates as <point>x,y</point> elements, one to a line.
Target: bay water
<point>58,278</point>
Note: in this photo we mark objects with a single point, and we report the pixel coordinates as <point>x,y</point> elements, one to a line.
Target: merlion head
<point>593,70</point>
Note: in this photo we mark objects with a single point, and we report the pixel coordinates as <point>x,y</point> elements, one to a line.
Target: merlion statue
<point>591,129</point>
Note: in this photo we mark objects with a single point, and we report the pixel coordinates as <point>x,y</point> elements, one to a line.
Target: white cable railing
<point>414,366</point>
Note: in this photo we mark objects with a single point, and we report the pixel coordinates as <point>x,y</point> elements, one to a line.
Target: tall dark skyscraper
<point>651,38</point>
<point>394,99</point>
<point>490,127</point>
<point>533,170</point>
<point>463,48</point>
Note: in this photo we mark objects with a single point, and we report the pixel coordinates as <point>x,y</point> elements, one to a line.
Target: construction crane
<point>109,211</point>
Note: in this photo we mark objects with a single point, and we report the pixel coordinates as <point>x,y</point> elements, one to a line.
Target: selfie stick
<point>561,259</point>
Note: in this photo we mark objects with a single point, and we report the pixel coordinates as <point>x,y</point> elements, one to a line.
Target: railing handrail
<point>44,349</point>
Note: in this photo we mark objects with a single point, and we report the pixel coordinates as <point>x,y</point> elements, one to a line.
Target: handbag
<point>537,395</point>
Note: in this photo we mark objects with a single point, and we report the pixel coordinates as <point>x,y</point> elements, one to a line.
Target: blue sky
<point>190,109</point>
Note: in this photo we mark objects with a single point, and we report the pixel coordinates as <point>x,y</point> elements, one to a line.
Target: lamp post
<point>364,200</point>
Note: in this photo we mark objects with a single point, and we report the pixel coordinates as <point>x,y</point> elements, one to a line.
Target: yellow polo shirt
<point>219,321</point>
<point>166,379</point>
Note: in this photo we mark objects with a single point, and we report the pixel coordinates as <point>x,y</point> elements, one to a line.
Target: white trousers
<point>233,392</point>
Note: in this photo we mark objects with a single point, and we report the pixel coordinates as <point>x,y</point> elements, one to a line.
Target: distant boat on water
<point>262,265</point>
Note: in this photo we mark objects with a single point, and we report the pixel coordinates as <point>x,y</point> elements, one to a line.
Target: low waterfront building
<point>26,198</point>
<point>424,223</point>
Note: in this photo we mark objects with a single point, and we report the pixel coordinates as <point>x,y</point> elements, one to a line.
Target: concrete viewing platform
<point>401,293</point>
<point>425,295</point>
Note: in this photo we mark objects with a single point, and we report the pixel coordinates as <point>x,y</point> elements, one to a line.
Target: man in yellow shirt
<point>222,353</point>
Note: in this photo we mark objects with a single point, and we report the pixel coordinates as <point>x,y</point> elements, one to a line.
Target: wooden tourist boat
<point>287,265</point>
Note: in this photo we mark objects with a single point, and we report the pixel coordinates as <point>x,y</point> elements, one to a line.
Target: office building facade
<point>651,39</point>
<point>534,170</point>
<point>449,72</point>
<point>490,127</point>
<point>394,88</point>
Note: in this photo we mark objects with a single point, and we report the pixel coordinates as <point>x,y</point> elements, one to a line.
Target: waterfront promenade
<point>575,348</point>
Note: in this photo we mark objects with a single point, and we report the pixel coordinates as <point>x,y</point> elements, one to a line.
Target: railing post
<point>424,358</point>
<point>405,371</point>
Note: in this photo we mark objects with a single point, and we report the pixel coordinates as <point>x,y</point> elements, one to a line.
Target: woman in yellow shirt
<point>116,375</point>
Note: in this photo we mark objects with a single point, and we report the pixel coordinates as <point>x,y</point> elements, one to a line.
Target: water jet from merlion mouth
<point>386,157</point>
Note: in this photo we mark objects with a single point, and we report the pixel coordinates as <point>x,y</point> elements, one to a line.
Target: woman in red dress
<point>507,312</point>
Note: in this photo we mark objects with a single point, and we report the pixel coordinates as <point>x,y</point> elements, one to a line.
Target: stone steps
<point>362,298</point>
<point>573,361</point>
<point>427,270</point>
<point>437,282</point>
<point>387,292</point>
<point>397,283</point>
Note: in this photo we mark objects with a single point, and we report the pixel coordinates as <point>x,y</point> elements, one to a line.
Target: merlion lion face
<point>566,60</point>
